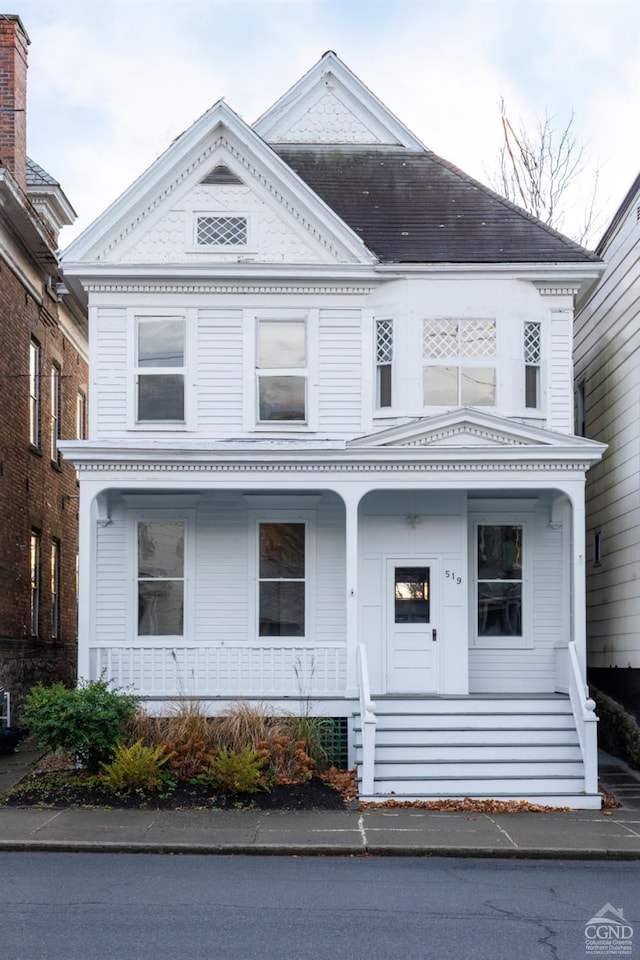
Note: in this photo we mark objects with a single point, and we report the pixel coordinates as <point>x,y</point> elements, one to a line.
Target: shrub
<point>240,771</point>
<point>86,721</point>
<point>134,767</point>
<point>289,760</point>
<point>314,731</point>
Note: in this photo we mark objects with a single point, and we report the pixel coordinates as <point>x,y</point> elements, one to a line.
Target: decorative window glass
<point>466,380</point>
<point>55,411</point>
<point>532,361</point>
<point>81,416</point>
<point>160,351</point>
<point>34,564</point>
<point>499,580</point>
<point>161,578</point>
<point>34,393</point>
<point>55,589</point>
<point>282,349</point>
<point>221,231</point>
<point>282,585</point>
<point>384,362</point>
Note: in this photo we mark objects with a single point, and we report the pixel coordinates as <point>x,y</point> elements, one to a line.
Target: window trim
<point>151,426</point>
<point>187,518</point>
<point>309,519</point>
<point>251,322</point>
<point>489,515</point>
<point>221,248</point>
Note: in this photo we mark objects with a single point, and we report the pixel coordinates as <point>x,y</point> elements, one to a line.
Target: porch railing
<point>368,720</point>
<point>586,721</point>
<point>223,669</point>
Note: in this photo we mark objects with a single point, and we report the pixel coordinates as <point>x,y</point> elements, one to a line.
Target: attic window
<point>221,174</point>
<point>221,231</point>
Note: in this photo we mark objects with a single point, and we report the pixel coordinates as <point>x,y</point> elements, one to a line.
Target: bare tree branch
<point>544,171</point>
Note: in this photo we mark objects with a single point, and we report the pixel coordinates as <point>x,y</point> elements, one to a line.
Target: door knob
<point>434,634</point>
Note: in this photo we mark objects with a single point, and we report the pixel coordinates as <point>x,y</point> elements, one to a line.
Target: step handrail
<point>586,720</point>
<point>369,720</point>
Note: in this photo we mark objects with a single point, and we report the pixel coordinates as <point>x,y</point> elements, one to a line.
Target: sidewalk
<point>412,832</point>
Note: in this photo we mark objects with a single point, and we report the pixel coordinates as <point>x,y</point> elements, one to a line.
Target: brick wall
<point>35,492</point>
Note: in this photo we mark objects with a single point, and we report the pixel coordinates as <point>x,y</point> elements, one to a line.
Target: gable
<point>467,428</point>
<point>329,104</point>
<point>222,168</point>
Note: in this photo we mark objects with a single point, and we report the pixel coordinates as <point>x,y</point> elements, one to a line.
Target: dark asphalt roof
<point>413,207</point>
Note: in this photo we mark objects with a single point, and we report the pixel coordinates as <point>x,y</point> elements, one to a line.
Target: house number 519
<point>450,575</point>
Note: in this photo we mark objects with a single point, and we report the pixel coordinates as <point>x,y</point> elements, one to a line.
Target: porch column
<point>88,514</point>
<point>579,605</point>
<point>351,500</point>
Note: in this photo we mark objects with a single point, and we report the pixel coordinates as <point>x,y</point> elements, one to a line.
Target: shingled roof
<point>413,207</point>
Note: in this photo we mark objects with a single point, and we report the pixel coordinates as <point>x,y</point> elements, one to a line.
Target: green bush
<point>242,771</point>
<point>135,767</point>
<point>86,721</point>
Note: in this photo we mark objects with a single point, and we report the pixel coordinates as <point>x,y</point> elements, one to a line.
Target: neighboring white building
<point>607,370</point>
<point>331,453</point>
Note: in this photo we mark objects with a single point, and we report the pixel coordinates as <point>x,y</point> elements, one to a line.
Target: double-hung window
<point>499,574</point>
<point>384,363</point>
<point>160,578</point>
<point>532,361</point>
<point>282,371</point>
<point>160,369</point>
<point>55,589</point>
<point>34,393</point>
<point>35,573</point>
<point>459,366</point>
<point>282,580</point>
<point>55,381</point>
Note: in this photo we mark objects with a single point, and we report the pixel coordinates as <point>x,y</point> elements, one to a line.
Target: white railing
<point>223,669</point>
<point>586,721</point>
<point>368,720</point>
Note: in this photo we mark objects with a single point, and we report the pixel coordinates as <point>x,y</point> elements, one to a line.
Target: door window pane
<point>411,595</point>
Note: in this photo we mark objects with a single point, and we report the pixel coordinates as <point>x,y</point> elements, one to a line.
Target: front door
<point>413,646</point>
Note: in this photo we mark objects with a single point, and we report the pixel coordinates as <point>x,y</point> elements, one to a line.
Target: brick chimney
<point>13,97</point>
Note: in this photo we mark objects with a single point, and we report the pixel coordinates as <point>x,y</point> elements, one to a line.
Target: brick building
<point>43,369</point>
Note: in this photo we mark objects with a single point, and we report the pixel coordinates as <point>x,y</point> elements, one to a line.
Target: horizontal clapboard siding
<point>220,372</point>
<point>340,371</point>
<point>108,396</point>
<point>607,361</point>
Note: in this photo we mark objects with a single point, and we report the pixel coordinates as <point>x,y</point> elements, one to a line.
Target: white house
<point>331,455</point>
<point>607,369</point>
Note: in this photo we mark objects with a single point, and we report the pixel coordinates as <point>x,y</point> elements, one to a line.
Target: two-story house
<point>607,369</point>
<point>331,458</point>
<point>44,378</point>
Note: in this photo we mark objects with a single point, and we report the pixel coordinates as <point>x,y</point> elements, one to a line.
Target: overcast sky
<point>112,82</point>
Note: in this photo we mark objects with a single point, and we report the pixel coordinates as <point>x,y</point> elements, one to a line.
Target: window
<point>81,416</point>
<point>161,578</point>
<point>160,352</point>
<point>55,589</point>
<point>34,394</point>
<point>384,363</point>
<point>532,360</point>
<point>34,562</point>
<point>282,586</point>
<point>597,549</point>
<point>467,380</point>
<point>499,580</point>
<point>221,231</point>
<point>282,348</point>
<point>55,379</point>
